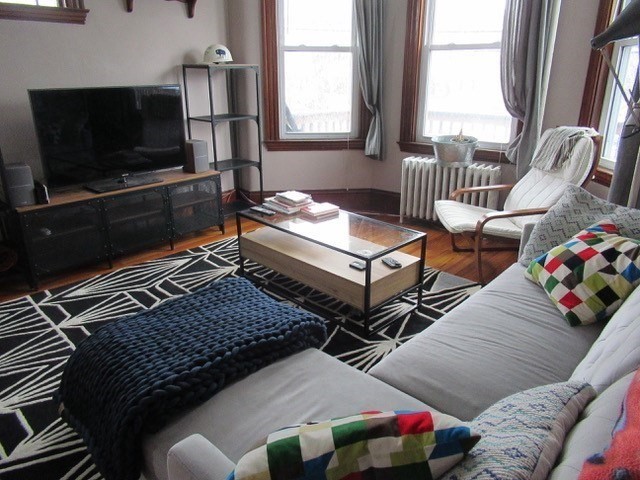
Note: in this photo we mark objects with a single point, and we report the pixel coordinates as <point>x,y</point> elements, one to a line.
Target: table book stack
<point>289,202</point>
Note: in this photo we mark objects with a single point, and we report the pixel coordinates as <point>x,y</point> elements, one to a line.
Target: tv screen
<point>91,134</point>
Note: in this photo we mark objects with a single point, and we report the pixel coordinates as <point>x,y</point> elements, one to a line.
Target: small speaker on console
<point>197,156</point>
<point>18,184</point>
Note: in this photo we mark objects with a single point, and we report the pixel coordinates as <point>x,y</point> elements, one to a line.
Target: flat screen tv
<point>97,137</point>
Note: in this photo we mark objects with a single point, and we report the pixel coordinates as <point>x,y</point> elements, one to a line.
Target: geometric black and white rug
<point>39,332</point>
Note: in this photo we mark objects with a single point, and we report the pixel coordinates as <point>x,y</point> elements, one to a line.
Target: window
<point>614,113</point>
<point>311,95</point>
<point>452,75</point>
<point>602,105</point>
<point>60,11</point>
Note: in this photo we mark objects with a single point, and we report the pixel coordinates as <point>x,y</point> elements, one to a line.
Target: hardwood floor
<point>439,255</point>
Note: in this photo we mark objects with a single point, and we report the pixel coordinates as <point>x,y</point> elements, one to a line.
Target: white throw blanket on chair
<point>555,146</point>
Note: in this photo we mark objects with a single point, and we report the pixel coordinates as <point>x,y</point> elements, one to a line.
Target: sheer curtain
<point>528,38</point>
<point>369,35</point>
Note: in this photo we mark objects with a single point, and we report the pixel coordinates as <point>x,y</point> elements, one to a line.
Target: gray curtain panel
<point>528,37</point>
<point>369,35</point>
<point>626,159</point>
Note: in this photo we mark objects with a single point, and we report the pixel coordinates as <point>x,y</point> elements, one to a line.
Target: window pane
<point>627,69</point>
<point>314,23</point>
<point>42,3</point>
<point>468,21</point>
<point>318,92</point>
<point>463,92</point>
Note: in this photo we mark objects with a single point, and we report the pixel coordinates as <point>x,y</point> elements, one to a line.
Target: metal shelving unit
<point>233,117</point>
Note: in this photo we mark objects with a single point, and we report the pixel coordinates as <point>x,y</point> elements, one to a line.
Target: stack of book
<point>289,202</point>
<point>320,211</point>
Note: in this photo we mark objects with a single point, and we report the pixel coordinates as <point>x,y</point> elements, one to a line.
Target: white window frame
<point>612,100</point>
<point>428,47</point>
<point>355,89</point>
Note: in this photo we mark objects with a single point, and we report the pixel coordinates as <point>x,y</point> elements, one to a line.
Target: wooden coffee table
<point>318,254</point>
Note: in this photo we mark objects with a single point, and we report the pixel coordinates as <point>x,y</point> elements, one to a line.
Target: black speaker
<point>197,156</point>
<point>17,184</point>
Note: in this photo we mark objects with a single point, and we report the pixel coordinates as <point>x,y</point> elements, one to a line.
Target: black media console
<point>79,227</point>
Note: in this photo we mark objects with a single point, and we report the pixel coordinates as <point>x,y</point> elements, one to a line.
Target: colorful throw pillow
<point>522,435</point>
<point>575,211</point>
<point>589,276</point>
<point>379,445</point>
<point>621,461</point>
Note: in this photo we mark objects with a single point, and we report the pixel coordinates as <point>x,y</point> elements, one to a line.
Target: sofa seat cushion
<point>304,387</point>
<point>593,431</point>
<point>507,338</point>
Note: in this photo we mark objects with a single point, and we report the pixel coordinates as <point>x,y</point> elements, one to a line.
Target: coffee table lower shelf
<point>328,271</point>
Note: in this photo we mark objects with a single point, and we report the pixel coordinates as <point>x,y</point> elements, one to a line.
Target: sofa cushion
<point>616,352</point>
<point>504,339</point>
<point>575,211</point>
<point>592,433</point>
<point>402,444</point>
<point>589,276</point>
<point>300,388</point>
<point>621,459</point>
<point>523,434</point>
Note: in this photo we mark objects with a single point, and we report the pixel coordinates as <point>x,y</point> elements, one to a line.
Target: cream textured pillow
<point>575,211</point>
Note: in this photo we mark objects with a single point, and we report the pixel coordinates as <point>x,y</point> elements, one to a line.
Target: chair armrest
<point>488,188</point>
<point>487,217</point>
<point>196,458</point>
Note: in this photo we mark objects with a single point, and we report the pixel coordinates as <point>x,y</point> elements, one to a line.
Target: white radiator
<point>424,182</point>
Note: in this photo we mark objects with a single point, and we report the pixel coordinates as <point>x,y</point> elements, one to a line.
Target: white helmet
<point>217,54</point>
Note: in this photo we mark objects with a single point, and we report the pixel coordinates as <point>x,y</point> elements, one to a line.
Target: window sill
<point>43,14</point>
<point>309,145</point>
<point>427,149</point>
<point>603,176</point>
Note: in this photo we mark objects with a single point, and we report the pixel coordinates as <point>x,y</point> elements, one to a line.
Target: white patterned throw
<point>522,435</point>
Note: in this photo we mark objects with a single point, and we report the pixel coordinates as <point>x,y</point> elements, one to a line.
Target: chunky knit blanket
<point>132,375</point>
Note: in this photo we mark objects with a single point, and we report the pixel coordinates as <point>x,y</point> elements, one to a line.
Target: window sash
<point>614,103</point>
<point>282,49</point>
<point>68,11</point>
<point>427,48</point>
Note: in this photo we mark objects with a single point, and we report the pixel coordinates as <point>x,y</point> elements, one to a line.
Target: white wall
<point>146,46</point>
<point>348,169</point>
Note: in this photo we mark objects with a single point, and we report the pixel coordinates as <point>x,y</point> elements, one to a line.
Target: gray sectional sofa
<point>507,338</point>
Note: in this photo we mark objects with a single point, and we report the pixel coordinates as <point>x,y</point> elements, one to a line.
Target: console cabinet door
<point>136,220</point>
<point>62,237</point>
<point>196,206</point>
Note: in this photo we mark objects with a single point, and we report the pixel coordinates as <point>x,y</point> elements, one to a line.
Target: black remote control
<point>391,262</point>
<point>358,265</point>
<point>264,211</point>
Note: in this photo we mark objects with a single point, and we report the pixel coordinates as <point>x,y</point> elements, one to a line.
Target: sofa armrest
<point>527,228</point>
<point>196,458</point>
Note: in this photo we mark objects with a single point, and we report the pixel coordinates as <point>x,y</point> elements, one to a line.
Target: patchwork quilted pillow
<point>621,460</point>
<point>575,211</point>
<point>589,276</point>
<point>522,435</point>
<point>378,445</point>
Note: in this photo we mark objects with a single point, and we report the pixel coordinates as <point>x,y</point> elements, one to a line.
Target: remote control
<point>358,265</point>
<point>264,211</point>
<point>391,262</point>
